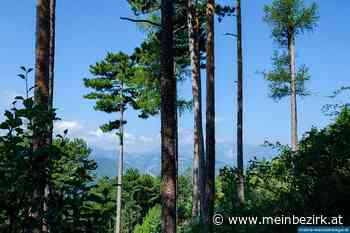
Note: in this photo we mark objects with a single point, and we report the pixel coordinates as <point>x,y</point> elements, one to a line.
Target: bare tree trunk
<point>240,168</point>
<point>202,170</point>
<point>118,225</point>
<point>294,113</point>
<point>198,157</point>
<point>42,93</point>
<point>210,120</point>
<point>47,191</point>
<point>42,62</point>
<point>177,152</point>
<point>52,49</point>
<point>168,119</point>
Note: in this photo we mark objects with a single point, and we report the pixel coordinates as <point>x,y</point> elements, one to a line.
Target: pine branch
<point>140,21</point>
<point>230,34</point>
<point>152,23</point>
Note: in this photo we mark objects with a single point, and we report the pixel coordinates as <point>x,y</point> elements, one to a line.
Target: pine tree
<point>115,88</point>
<point>279,77</point>
<point>288,19</point>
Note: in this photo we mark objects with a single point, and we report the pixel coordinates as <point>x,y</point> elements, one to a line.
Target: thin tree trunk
<point>168,119</point>
<point>294,113</point>
<point>42,70</point>
<point>118,225</point>
<point>198,157</point>
<point>177,150</point>
<point>47,191</point>
<point>202,170</point>
<point>210,120</point>
<point>52,49</point>
<point>240,168</point>
<point>42,63</point>
<point>177,155</point>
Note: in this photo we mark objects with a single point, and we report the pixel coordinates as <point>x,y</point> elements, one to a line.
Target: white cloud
<point>70,125</point>
<point>107,141</point>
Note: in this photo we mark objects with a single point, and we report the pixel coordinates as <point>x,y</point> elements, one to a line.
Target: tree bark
<point>168,119</point>
<point>47,191</point>
<point>118,225</point>
<point>42,93</point>
<point>210,120</point>
<point>52,49</point>
<point>240,168</point>
<point>42,51</point>
<point>198,157</point>
<point>294,113</point>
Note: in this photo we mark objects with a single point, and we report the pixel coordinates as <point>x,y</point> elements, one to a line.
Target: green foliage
<point>22,168</point>
<point>71,176</point>
<point>140,193</point>
<point>119,82</point>
<point>290,17</point>
<point>77,202</point>
<point>147,74</point>
<point>25,76</point>
<point>223,11</point>
<point>144,6</point>
<point>312,181</point>
<point>109,77</point>
<point>322,169</point>
<point>151,223</point>
<point>279,77</point>
<point>341,101</point>
<point>184,202</point>
<point>100,206</point>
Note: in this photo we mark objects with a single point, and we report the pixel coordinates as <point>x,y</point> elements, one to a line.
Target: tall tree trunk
<point>210,120</point>
<point>118,228</point>
<point>42,93</point>
<point>294,113</point>
<point>177,148</point>
<point>202,170</point>
<point>43,51</point>
<point>198,157</point>
<point>240,168</point>
<point>177,157</point>
<point>52,49</point>
<point>168,119</point>
<point>47,191</point>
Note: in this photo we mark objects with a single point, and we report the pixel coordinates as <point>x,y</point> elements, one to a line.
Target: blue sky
<point>87,30</point>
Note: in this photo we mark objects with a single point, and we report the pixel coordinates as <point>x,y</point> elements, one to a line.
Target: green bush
<point>151,223</point>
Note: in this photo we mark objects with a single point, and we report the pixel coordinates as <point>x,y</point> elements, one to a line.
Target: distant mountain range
<point>149,162</point>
